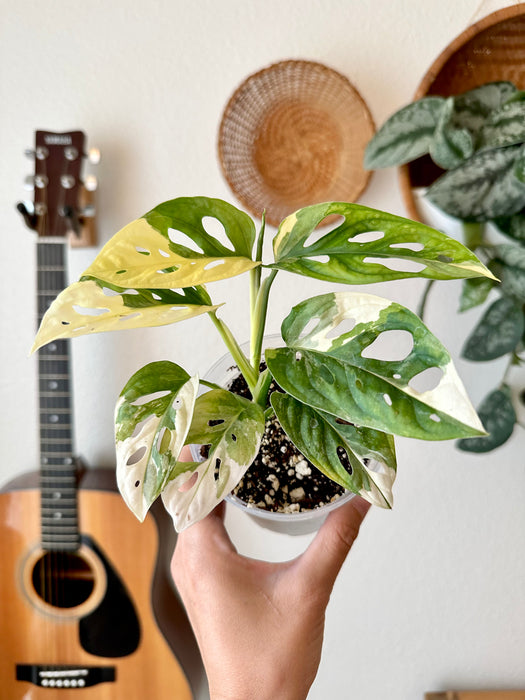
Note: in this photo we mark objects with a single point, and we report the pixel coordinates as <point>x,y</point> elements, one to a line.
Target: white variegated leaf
<point>233,427</point>
<point>151,430</point>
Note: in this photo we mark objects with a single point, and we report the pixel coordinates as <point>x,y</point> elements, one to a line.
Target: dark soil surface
<point>281,478</point>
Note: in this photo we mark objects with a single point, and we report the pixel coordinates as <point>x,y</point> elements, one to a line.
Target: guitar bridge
<point>65,676</point>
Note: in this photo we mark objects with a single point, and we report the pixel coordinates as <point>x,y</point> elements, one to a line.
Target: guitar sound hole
<point>63,579</point>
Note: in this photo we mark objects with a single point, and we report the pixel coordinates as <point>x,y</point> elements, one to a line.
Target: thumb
<point>327,552</point>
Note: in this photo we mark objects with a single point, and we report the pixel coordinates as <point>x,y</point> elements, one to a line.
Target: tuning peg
<point>91,183</point>
<point>38,181</point>
<point>30,217</point>
<point>40,153</point>
<point>94,156</point>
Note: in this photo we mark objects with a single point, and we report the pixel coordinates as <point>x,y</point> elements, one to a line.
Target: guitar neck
<point>58,469</point>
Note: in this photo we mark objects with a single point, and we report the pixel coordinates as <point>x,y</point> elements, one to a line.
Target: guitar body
<point>100,639</point>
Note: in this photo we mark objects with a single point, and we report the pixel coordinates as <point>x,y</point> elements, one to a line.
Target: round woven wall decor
<point>490,50</point>
<point>294,134</point>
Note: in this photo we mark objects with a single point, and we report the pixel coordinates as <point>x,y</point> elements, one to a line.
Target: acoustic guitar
<point>86,605</point>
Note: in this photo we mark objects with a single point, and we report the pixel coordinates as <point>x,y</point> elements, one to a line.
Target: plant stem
<point>255,276</point>
<point>258,321</point>
<point>249,373</point>
<point>261,390</point>
<point>422,304</point>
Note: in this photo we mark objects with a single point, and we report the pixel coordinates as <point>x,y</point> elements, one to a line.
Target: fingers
<point>327,552</point>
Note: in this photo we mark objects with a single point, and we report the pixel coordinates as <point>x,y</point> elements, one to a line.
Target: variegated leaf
<point>152,419</point>
<point>232,426</point>
<point>90,307</point>
<point>483,188</point>
<point>341,373</point>
<point>406,135</point>
<point>369,246</point>
<point>472,108</point>
<point>148,253</point>
<point>322,438</point>
<point>450,146</point>
<point>505,127</point>
<point>498,332</point>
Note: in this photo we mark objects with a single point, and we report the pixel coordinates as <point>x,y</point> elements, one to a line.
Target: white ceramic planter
<point>302,523</point>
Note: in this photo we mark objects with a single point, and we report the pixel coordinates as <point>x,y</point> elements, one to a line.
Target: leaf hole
<point>310,327</point>
<point>136,456</point>
<point>412,245</point>
<point>397,265</point>
<point>179,238</point>
<point>164,253</point>
<point>217,469</point>
<point>212,422</point>
<point>120,272</point>
<point>390,346</point>
<point>189,483</point>
<point>142,251</point>
<point>396,375</point>
<point>343,458</point>
<point>213,263</point>
<point>426,380</point>
<point>65,323</point>
<point>112,293</point>
<point>346,325</point>
<point>129,317</point>
<point>367,237</point>
<point>233,437</point>
<point>323,228</point>
<point>146,398</point>
<point>387,399</point>
<point>323,259</point>
<point>445,258</point>
<point>435,418</point>
<point>298,356</point>
<point>215,228</point>
<point>89,311</point>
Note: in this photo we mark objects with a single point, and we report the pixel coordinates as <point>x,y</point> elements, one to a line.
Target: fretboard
<point>58,470</point>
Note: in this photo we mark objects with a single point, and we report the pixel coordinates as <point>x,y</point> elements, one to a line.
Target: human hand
<point>260,625</point>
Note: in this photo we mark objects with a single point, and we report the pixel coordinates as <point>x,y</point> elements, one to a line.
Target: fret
<point>52,356</point>
<point>69,479</point>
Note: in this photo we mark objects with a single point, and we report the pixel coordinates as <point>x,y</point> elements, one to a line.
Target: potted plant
<point>473,145</point>
<point>338,404</point>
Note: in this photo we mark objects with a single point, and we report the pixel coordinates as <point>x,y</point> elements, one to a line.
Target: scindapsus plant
<point>477,142</point>
<point>335,397</point>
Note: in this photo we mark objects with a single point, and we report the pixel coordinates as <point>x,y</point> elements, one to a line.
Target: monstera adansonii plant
<point>337,397</point>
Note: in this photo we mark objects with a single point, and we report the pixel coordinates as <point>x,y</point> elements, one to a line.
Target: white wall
<point>433,594</point>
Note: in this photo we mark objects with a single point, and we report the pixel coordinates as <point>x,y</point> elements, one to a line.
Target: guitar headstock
<point>63,204</point>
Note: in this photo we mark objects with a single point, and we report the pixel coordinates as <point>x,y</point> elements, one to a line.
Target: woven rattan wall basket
<point>490,50</point>
<point>294,134</point>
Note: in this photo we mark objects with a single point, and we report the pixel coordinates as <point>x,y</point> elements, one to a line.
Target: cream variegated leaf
<point>152,419</point>
<point>87,307</point>
<point>139,256</point>
<point>336,371</point>
<point>232,427</point>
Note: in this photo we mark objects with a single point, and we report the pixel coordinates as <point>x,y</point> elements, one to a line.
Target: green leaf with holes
<point>369,246</point>
<point>450,146</point>
<point>152,418</point>
<point>319,436</point>
<point>483,188</point>
<point>232,426</point>
<point>340,373</point>
<point>406,135</point>
<point>147,253</point>
<point>499,418</point>
<point>497,333</point>
<point>92,306</point>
